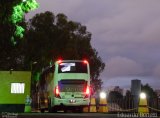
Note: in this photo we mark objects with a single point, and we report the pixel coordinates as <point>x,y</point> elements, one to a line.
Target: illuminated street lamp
<point>32,63</point>
<point>142,95</point>
<point>103,95</point>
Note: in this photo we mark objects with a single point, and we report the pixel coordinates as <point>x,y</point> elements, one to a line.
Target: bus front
<point>71,84</point>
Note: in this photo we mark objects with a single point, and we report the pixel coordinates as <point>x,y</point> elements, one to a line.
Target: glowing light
<point>29,5</point>
<point>57,92</point>
<point>18,16</point>
<point>17,88</point>
<point>19,31</point>
<point>87,90</point>
<point>85,61</point>
<point>35,62</point>
<point>103,95</point>
<point>142,95</point>
<point>59,61</point>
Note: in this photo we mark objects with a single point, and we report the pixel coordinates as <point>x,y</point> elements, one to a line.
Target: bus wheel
<point>65,110</point>
<point>50,109</point>
<point>81,110</point>
<point>42,110</point>
<point>78,110</point>
<point>54,110</point>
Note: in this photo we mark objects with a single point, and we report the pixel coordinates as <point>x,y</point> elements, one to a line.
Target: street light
<point>103,95</point>
<point>142,95</point>
<point>32,63</point>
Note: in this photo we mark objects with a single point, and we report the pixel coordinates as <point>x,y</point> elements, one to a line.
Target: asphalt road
<point>66,115</point>
<point>69,115</point>
<point>58,115</point>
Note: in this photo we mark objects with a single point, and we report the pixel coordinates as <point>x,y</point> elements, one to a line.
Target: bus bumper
<point>70,102</point>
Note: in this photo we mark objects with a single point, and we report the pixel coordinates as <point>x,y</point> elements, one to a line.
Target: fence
<point>154,105</point>
<point>127,105</point>
<point>121,105</point>
<point>118,105</point>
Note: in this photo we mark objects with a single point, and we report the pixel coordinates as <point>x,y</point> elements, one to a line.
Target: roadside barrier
<point>86,109</point>
<point>27,104</point>
<point>143,108</point>
<point>103,107</point>
<point>92,106</point>
<point>121,110</point>
<point>129,110</point>
<point>154,109</point>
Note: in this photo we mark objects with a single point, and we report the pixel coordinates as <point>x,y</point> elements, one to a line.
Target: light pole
<point>143,104</point>
<point>32,81</point>
<point>103,102</point>
<point>32,63</point>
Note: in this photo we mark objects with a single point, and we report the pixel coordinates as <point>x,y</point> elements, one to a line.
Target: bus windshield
<point>72,67</point>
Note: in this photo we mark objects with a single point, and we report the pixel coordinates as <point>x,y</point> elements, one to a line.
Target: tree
<point>13,12</point>
<point>11,30</point>
<point>50,37</point>
<point>151,95</point>
<point>128,100</point>
<point>114,95</point>
<point>149,91</point>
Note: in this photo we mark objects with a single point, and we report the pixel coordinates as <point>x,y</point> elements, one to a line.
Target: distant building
<point>135,87</point>
<point>158,92</point>
<point>135,91</point>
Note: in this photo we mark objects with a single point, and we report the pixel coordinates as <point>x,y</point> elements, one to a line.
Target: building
<point>158,92</point>
<point>15,86</point>
<point>135,91</point>
<point>135,87</point>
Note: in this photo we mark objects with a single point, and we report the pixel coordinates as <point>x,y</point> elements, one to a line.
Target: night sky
<point>126,33</point>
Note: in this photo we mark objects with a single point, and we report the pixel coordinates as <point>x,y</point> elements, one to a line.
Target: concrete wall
<point>7,99</point>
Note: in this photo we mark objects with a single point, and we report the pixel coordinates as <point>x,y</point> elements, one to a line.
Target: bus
<point>66,86</point>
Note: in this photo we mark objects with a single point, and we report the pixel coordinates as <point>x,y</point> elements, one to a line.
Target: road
<point>67,115</point>
<point>60,115</point>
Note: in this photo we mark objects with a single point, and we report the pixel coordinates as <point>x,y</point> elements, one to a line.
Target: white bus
<point>67,87</point>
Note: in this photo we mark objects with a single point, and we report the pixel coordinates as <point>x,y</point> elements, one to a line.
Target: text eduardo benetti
<point>137,115</point>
